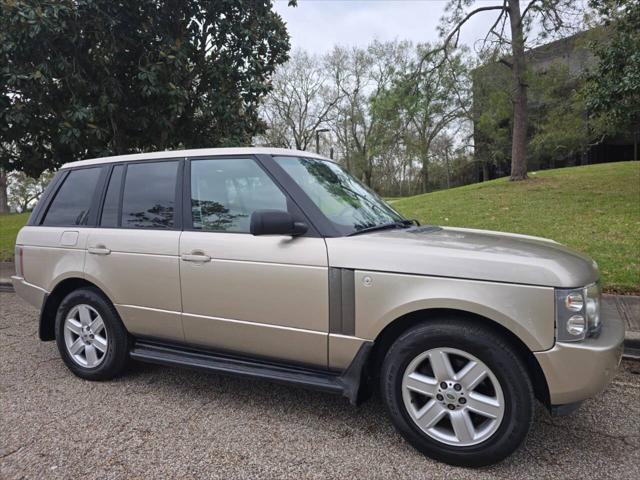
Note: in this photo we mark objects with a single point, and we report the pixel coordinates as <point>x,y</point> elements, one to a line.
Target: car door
<point>132,255</point>
<point>263,296</point>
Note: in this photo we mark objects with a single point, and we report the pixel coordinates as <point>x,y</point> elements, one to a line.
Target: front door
<point>264,296</point>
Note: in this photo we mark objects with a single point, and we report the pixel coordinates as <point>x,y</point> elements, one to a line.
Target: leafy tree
<point>360,75</point>
<point>24,190</point>
<point>84,78</point>
<point>421,104</point>
<point>493,112</point>
<point>552,16</point>
<point>613,94</point>
<point>559,127</point>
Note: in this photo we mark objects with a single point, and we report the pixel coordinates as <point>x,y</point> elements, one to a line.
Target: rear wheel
<point>457,392</point>
<point>91,338</point>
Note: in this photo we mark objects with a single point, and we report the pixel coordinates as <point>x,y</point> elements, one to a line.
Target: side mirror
<point>275,222</point>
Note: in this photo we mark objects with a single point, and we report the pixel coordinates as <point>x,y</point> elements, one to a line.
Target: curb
<point>632,341</point>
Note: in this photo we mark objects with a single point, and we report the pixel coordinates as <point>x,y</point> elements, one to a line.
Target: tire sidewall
<point>501,360</point>
<point>113,357</point>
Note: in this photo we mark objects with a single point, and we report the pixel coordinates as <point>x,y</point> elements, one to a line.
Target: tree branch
<point>456,32</point>
<point>504,61</point>
<point>468,16</point>
<point>502,13</point>
<point>526,10</point>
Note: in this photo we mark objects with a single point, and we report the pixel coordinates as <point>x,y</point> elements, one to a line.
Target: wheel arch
<point>46,329</point>
<point>394,329</point>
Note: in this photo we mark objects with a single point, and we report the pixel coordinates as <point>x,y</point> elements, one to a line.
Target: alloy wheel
<point>85,336</point>
<point>453,397</point>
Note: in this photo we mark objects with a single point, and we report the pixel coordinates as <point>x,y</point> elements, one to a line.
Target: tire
<point>413,393</point>
<point>109,343</point>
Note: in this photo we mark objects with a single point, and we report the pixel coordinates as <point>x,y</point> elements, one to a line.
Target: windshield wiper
<point>383,226</point>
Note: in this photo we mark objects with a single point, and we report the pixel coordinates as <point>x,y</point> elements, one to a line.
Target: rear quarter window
<point>73,201</point>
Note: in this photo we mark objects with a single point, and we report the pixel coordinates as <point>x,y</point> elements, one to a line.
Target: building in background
<point>561,132</point>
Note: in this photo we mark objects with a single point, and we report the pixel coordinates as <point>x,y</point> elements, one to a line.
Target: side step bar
<point>346,383</point>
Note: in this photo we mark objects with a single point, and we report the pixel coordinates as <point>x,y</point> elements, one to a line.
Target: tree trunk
<point>519,140</point>
<point>448,173</point>
<point>424,174</point>
<point>368,174</point>
<point>4,202</point>
<point>485,171</point>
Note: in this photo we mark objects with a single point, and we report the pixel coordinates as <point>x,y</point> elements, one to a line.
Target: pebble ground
<point>158,422</point>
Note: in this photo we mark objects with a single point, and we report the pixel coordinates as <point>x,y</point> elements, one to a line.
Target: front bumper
<point>580,370</point>
<point>28,292</point>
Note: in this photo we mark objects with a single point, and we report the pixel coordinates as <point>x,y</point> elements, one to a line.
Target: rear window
<point>149,195</point>
<point>72,204</point>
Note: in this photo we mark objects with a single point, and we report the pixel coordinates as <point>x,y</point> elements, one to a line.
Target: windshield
<point>346,202</point>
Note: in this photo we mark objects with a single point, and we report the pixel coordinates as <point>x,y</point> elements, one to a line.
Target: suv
<point>278,265</point>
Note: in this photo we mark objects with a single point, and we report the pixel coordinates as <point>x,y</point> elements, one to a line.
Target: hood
<point>465,253</point>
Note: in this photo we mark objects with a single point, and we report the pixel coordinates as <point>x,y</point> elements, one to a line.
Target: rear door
<point>264,296</point>
<point>133,253</point>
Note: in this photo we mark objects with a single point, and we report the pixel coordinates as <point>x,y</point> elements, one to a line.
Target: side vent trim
<point>342,302</point>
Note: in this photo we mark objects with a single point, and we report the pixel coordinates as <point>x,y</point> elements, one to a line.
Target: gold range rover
<point>279,265</point>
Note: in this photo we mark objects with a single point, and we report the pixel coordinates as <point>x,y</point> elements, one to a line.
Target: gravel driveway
<point>159,422</point>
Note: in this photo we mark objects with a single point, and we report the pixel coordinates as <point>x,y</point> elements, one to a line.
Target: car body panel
<point>465,253</point>
<point>30,293</point>
<point>49,257</point>
<point>343,349</point>
<point>266,296</point>
<point>141,277</point>
<point>525,310</point>
<point>192,153</point>
<point>579,370</point>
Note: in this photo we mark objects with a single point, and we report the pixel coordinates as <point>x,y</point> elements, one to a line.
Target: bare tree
<point>300,102</point>
<point>360,75</point>
<point>552,16</point>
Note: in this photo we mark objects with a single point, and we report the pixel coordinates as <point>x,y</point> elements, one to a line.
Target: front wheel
<point>457,392</point>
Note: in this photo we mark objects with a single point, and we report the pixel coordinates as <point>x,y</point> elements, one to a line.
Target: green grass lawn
<point>10,224</point>
<point>594,209</point>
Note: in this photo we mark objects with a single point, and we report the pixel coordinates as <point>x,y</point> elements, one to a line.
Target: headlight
<point>577,313</point>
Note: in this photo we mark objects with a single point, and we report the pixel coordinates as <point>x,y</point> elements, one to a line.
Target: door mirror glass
<point>276,222</point>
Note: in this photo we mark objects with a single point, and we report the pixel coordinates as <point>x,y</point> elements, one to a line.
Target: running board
<point>346,383</point>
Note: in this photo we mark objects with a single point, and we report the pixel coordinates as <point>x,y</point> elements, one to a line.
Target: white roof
<point>198,152</point>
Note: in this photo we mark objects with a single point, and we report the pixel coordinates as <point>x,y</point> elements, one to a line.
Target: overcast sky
<point>318,25</point>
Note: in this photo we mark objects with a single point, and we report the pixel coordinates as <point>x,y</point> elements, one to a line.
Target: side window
<point>149,195</point>
<point>225,192</point>
<point>109,217</point>
<point>72,203</point>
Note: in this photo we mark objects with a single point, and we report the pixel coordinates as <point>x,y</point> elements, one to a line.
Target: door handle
<point>195,257</point>
<point>99,250</point>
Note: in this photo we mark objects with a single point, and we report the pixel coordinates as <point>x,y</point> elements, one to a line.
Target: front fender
<point>526,311</point>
